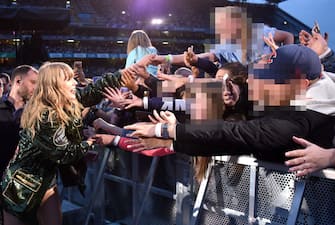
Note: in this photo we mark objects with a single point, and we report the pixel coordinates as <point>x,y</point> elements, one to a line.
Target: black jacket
<point>267,138</point>
<point>9,131</point>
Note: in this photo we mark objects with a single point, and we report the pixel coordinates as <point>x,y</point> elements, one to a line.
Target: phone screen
<point>78,65</point>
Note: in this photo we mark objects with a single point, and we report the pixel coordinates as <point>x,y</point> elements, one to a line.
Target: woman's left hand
<point>104,139</point>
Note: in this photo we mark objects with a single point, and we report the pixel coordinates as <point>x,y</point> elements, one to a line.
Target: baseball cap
<point>290,62</point>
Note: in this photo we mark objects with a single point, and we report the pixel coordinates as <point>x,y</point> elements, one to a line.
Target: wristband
<point>158,130</point>
<point>190,78</point>
<point>145,102</point>
<point>164,131</point>
<point>116,140</point>
<point>168,58</point>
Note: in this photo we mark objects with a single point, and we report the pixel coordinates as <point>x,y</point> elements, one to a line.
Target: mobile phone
<point>78,65</point>
<point>143,116</point>
<point>316,27</point>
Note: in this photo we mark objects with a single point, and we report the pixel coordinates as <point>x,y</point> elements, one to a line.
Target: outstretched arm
<point>309,159</point>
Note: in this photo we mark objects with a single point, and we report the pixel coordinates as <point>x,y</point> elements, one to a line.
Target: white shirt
<point>321,94</point>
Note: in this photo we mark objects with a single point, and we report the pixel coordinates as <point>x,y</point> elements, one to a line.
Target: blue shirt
<point>138,53</point>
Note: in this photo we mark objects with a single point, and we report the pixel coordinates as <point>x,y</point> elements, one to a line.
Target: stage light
<point>68,4</point>
<point>70,41</point>
<point>156,21</point>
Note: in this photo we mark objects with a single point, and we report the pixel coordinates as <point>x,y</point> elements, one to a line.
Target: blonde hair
<point>138,38</point>
<point>49,96</point>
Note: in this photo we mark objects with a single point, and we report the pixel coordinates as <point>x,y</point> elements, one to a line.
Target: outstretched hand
<point>128,79</point>
<point>104,139</point>
<point>309,159</point>
<point>133,102</point>
<point>142,129</point>
<point>315,41</point>
<point>304,37</point>
<point>163,117</point>
<point>190,58</point>
<point>115,96</point>
<point>271,42</point>
<point>142,144</point>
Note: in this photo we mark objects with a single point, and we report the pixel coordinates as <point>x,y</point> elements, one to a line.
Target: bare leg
<point>9,219</point>
<point>49,213</point>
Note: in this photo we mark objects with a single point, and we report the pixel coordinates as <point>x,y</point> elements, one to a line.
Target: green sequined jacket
<point>53,145</point>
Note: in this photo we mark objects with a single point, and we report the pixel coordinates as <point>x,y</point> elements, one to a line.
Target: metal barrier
<point>91,209</point>
<point>236,190</point>
<point>242,190</point>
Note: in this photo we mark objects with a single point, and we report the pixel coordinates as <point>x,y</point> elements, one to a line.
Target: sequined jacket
<point>54,145</point>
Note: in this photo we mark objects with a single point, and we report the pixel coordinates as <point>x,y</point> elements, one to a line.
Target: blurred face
<point>6,86</point>
<point>228,24</point>
<point>230,91</point>
<point>1,88</point>
<point>27,84</point>
<point>265,92</point>
<point>204,100</point>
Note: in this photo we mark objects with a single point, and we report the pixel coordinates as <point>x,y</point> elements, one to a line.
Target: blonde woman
<point>51,137</point>
<point>139,45</point>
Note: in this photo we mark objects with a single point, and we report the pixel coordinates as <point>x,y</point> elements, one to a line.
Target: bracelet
<point>145,102</point>
<point>116,140</point>
<point>168,58</point>
<point>164,131</point>
<point>190,78</point>
<point>158,130</point>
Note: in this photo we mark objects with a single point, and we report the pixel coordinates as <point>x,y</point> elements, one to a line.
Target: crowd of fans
<point>116,97</point>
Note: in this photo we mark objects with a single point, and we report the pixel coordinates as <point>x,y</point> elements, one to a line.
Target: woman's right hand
<point>99,124</point>
<point>104,139</point>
